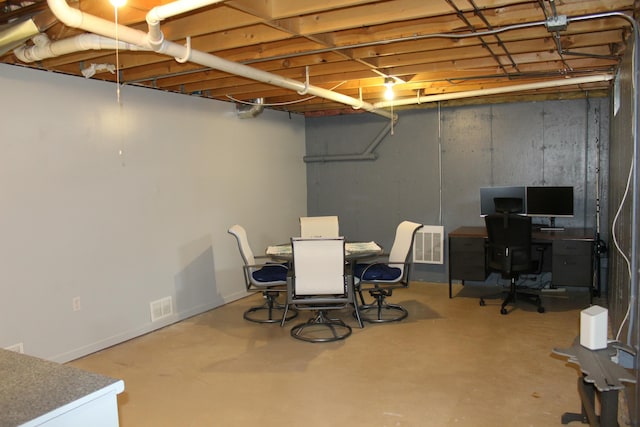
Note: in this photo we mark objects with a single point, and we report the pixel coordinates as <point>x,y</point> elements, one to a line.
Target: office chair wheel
<point>540,309</point>
<point>503,310</point>
<point>482,303</point>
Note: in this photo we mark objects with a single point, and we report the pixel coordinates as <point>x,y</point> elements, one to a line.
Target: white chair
<point>319,283</point>
<point>388,272</point>
<point>319,226</point>
<point>268,278</point>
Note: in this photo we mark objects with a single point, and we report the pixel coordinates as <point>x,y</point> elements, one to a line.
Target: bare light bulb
<point>118,3</point>
<point>388,93</point>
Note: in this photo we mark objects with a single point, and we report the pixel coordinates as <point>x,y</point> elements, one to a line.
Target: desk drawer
<point>466,244</point>
<point>467,260</point>
<point>568,270</point>
<point>572,247</point>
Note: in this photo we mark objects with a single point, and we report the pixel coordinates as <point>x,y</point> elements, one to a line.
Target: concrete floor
<point>450,363</point>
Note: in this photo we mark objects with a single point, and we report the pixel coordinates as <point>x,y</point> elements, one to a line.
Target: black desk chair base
<point>514,295</point>
<point>321,328</point>
<point>380,311</point>
<point>271,311</point>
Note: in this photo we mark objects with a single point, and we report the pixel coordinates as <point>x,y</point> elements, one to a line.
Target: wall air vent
<point>161,308</point>
<point>428,245</point>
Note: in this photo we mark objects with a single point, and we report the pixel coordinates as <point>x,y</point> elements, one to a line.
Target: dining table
<point>353,252</point>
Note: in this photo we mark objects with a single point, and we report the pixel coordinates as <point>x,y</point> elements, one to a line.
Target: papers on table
<point>349,248</point>
<point>360,247</point>
<point>279,250</point>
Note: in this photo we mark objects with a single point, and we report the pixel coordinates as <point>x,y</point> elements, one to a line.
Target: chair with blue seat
<point>386,273</point>
<point>268,278</point>
<point>319,283</point>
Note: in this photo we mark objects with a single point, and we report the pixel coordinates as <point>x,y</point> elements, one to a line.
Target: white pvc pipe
<point>495,91</point>
<point>159,13</point>
<point>78,19</point>
<point>44,48</point>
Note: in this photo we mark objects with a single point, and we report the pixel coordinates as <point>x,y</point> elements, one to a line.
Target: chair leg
<point>384,312</point>
<point>316,329</point>
<point>265,313</point>
<point>512,297</point>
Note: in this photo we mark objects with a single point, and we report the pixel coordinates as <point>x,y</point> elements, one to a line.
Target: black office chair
<point>509,251</point>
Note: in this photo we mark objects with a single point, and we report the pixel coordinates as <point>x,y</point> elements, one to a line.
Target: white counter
<point>36,392</point>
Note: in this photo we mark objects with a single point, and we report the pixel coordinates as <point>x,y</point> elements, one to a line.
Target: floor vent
<point>161,308</point>
<point>428,245</point>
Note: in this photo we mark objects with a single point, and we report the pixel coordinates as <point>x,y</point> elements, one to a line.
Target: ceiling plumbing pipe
<point>78,19</point>
<point>367,154</point>
<point>495,91</point>
<point>159,13</point>
<point>44,48</point>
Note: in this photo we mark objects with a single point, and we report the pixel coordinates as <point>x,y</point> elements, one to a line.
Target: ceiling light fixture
<point>388,93</point>
<point>118,3</point>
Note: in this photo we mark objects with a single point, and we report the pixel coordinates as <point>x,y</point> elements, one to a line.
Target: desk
<point>571,261</point>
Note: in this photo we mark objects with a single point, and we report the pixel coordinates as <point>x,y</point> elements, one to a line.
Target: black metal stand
<point>602,378</point>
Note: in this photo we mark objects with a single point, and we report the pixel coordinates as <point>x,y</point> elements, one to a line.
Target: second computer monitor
<point>550,201</point>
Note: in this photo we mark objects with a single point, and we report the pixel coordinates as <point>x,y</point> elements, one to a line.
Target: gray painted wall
<point>432,167</point>
<point>625,318</point>
<point>122,206</point>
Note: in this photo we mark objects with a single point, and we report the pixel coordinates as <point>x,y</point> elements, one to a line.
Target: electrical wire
<point>617,244</point>
<point>278,104</point>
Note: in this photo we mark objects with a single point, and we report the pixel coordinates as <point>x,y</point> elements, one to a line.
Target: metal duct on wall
<point>17,33</point>
<point>250,110</point>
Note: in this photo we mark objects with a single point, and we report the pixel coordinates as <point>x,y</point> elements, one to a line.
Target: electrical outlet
<point>76,304</point>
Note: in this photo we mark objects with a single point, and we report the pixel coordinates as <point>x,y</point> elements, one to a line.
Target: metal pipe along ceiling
<point>154,40</point>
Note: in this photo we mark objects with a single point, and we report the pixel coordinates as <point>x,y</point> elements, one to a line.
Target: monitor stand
<point>552,226</point>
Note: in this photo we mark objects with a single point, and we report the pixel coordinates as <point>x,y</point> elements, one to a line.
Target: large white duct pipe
<point>494,91</point>
<point>78,19</point>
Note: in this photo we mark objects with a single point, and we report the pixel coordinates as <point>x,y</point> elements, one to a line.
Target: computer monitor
<point>550,201</point>
<point>488,194</point>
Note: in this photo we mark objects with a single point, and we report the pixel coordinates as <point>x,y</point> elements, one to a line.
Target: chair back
<point>319,267</point>
<point>509,244</point>
<point>508,205</point>
<point>243,244</point>
<point>319,226</point>
<point>400,253</point>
